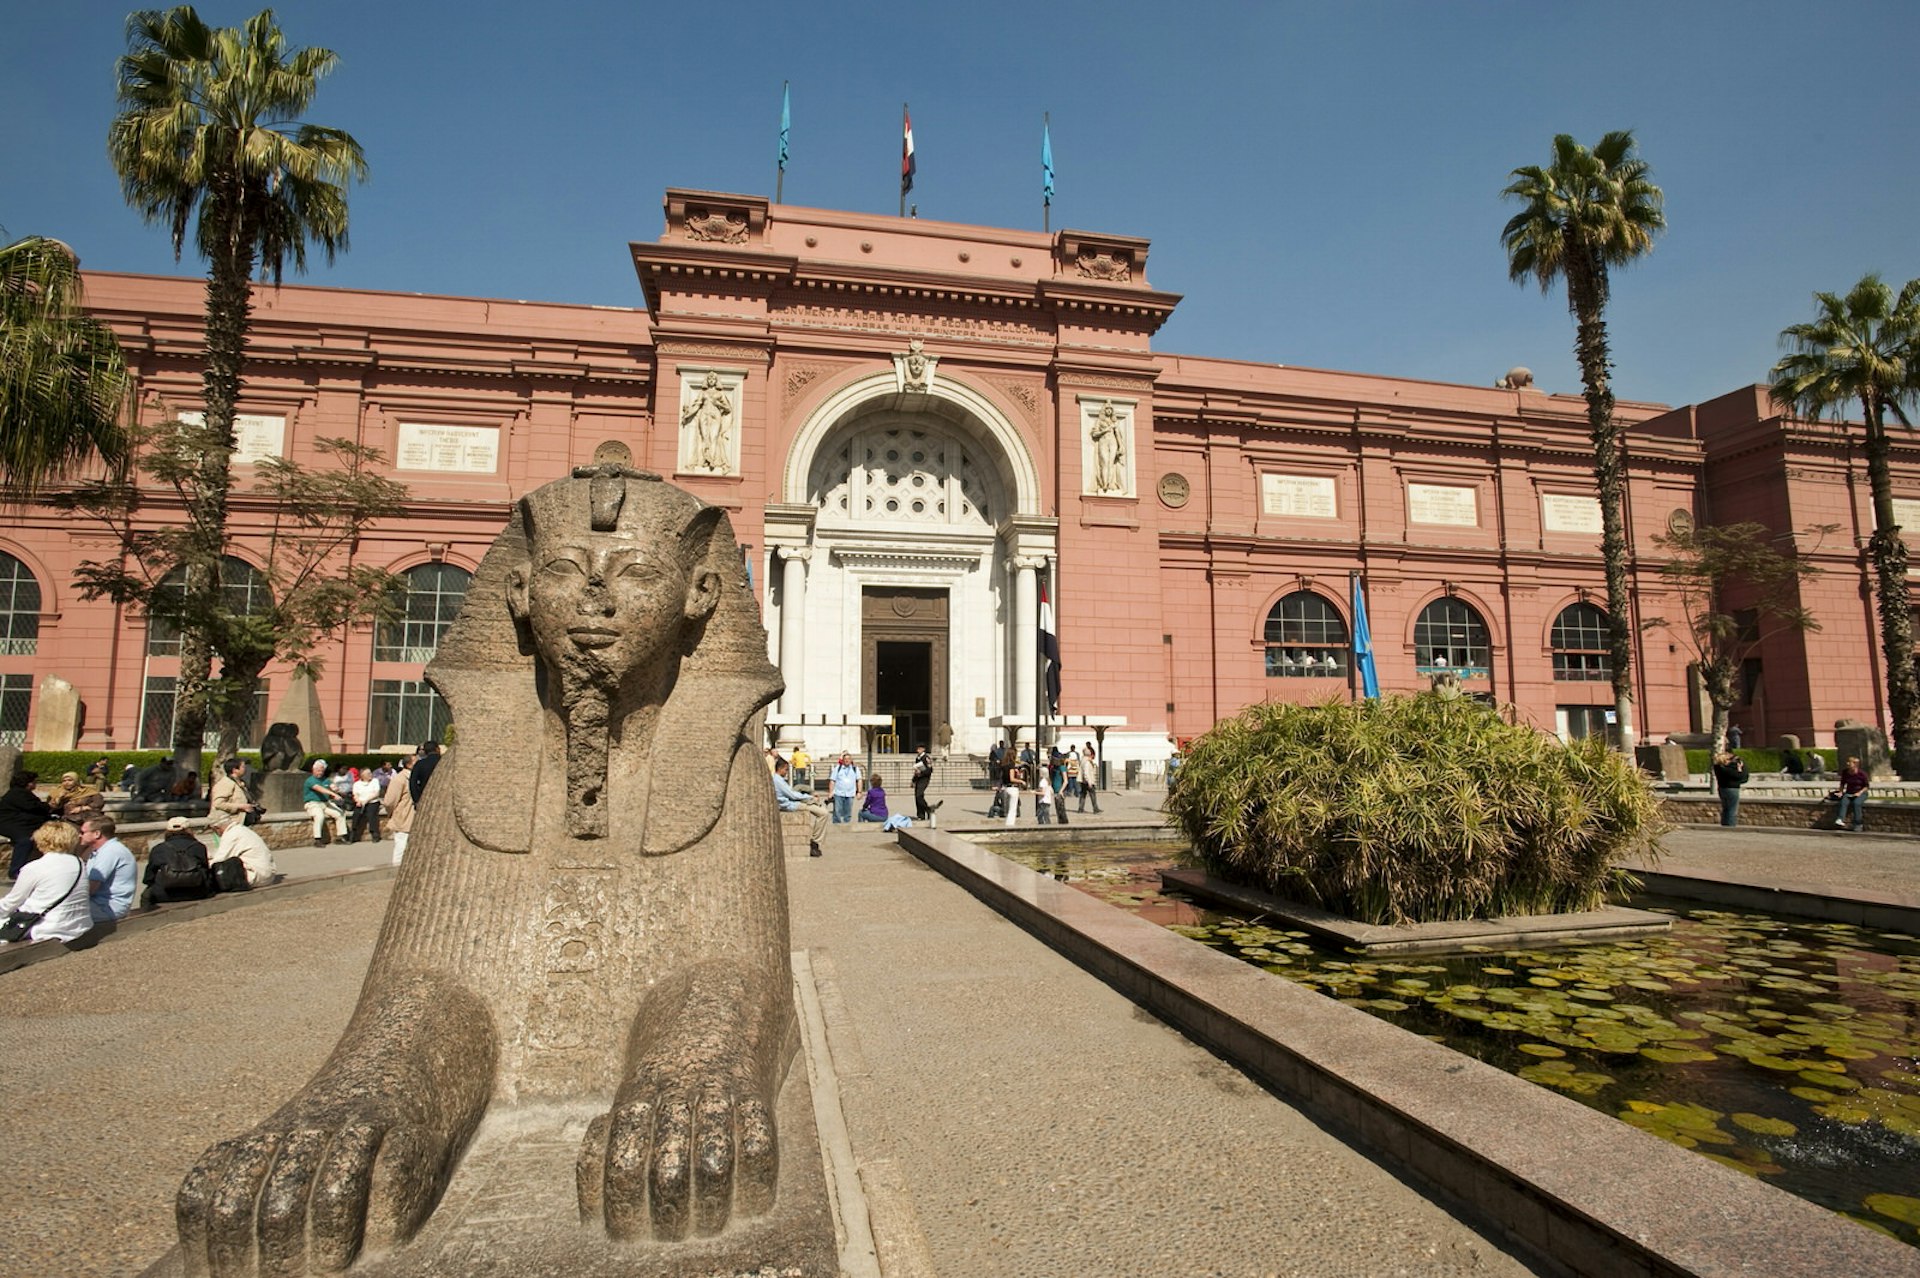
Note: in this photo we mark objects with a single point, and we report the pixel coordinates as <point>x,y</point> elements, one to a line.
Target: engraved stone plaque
<point>1906,513</point>
<point>1174,491</point>
<point>1569,513</point>
<point>459,450</point>
<point>1298,496</point>
<point>256,436</point>
<point>1443,504</point>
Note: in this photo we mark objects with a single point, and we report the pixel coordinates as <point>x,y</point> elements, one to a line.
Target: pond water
<point>1787,1050</point>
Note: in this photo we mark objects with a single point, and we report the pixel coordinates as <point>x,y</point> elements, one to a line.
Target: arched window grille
<point>244,586</point>
<point>1306,639</point>
<point>1450,636</point>
<point>1580,645</point>
<point>19,608</point>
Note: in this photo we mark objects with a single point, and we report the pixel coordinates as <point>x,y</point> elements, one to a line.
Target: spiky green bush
<point>1411,809</point>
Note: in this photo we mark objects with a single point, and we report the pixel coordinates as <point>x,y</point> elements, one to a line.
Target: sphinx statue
<point>592,909</point>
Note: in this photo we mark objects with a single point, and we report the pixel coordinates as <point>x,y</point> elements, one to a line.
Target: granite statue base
<point>510,1210</point>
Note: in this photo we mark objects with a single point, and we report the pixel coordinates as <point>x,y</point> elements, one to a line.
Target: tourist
<point>70,787</point>
<point>791,800</point>
<point>317,797</point>
<point>846,782</point>
<point>110,875</point>
<point>399,803</point>
<point>1729,774</point>
<point>53,885</point>
<point>922,776</point>
<point>1089,778</point>
<point>1733,737</point>
<point>875,808</point>
<point>236,840</point>
<point>22,811</point>
<point>1042,797</point>
<point>74,800</point>
<point>423,765</point>
<point>177,868</point>
<point>1853,795</point>
<point>802,770</point>
<point>1072,767</point>
<point>367,794</point>
<point>1016,779</point>
<point>97,773</point>
<point>230,792</point>
<point>126,778</point>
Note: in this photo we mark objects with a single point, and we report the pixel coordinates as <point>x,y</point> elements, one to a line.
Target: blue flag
<point>786,121</point>
<point>1046,165</point>
<point>1363,643</point>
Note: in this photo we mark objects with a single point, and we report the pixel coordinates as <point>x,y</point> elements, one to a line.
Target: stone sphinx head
<point>611,598</point>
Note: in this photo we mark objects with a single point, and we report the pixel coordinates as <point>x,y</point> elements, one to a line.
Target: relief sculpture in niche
<point>716,226</point>
<point>592,913</point>
<point>1108,434</point>
<point>707,426</point>
<point>1105,264</point>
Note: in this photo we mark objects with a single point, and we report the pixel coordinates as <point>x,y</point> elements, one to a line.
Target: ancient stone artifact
<point>592,911</point>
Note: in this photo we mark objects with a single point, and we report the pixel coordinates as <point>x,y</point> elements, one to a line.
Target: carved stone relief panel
<point>710,408</point>
<point>913,368</point>
<point>1106,447</point>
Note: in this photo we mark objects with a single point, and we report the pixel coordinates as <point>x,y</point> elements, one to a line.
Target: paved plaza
<point>1007,1113</point>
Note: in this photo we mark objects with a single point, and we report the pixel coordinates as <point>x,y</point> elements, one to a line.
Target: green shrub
<point>49,764</point>
<point>1760,761</point>
<point>1411,809</point>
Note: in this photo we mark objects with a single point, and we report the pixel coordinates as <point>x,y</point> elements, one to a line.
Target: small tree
<point>1736,590</point>
<point>311,519</point>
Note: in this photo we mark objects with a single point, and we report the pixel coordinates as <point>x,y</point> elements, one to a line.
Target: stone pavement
<point>1007,1113</point>
<point>1824,860</point>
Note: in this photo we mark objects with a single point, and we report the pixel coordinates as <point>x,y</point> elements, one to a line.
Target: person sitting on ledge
<point>875,808</point>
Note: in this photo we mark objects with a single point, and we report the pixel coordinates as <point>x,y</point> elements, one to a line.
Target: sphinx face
<point>604,607</point>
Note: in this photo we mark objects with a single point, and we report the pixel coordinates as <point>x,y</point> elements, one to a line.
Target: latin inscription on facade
<point>459,450</point>
<point>1568,513</point>
<point>1443,504</point>
<point>256,436</point>
<point>1906,513</point>
<point>1298,496</point>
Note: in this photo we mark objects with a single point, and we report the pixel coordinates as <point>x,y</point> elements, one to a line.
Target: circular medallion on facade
<point>612,450</point>
<point>1680,523</point>
<point>905,605</point>
<point>1174,490</point>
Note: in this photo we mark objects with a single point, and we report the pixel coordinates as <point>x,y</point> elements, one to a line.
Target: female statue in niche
<point>1109,448</point>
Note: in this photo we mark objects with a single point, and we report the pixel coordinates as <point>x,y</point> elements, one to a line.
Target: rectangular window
<point>405,712</point>
<point>158,702</point>
<point>16,702</point>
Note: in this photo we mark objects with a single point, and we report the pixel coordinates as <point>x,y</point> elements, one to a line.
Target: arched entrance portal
<point>906,558</point>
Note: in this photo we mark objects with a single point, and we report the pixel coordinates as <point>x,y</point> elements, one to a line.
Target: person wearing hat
<point>177,868</point>
<point>239,839</point>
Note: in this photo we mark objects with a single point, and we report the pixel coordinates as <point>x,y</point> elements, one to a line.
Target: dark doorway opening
<point>903,688</point>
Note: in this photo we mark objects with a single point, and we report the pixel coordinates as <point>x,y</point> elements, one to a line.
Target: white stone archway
<point>920,494</point>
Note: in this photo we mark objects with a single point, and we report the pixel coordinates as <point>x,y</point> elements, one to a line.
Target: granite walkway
<point>1007,1113</point>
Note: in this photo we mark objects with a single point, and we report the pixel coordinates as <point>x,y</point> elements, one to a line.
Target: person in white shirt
<point>367,796</point>
<point>236,839</point>
<point>53,885</point>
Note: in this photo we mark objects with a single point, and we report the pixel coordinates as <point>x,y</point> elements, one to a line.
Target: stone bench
<point>794,829</point>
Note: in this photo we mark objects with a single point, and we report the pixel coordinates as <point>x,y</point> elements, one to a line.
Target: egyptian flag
<point>906,152</point>
<point>1049,651</point>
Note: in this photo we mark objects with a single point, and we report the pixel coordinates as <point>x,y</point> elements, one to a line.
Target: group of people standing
<point>356,801</point>
<point>1064,774</point>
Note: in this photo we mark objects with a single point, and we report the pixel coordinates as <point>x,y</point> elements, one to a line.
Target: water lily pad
<point>1843,1112</point>
<point>1761,1125</point>
<point>1895,1207</point>
<point>1540,1049</point>
<point>1814,1094</point>
<point>1676,1055</point>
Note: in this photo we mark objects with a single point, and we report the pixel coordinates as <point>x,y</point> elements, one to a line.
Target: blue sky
<point>1320,181</point>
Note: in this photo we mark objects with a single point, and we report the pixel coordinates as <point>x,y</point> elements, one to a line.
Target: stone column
<point>1026,633</point>
<point>793,636</point>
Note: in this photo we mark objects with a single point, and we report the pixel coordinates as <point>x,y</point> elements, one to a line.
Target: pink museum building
<point>918,428</point>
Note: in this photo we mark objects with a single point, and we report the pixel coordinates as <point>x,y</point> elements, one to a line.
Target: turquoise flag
<point>786,121</point>
<point>1046,165</point>
<point>1363,643</point>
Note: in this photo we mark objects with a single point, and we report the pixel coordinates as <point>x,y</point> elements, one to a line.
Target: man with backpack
<point>177,868</point>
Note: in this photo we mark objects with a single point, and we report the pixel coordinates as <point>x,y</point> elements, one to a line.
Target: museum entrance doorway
<point>903,665</point>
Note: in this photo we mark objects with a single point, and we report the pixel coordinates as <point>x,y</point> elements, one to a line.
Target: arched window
<point>19,608</point>
<point>1580,644</point>
<point>244,586</point>
<point>431,601</point>
<point>1306,639</point>
<point>1450,636</point>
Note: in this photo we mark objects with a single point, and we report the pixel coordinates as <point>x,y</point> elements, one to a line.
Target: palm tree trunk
<point>1586,291</point>
<point>229,301</point>
<point>1889,553</point>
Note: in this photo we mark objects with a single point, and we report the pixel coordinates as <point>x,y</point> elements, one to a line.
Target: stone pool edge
<point>1565,1183</point>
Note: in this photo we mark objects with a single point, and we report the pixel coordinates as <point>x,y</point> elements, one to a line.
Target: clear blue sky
<point>1321,181</point>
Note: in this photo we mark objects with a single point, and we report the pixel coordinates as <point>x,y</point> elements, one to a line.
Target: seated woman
<point>53,886</point>
<point>875,808</point>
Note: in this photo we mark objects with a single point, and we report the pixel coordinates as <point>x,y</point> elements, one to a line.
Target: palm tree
<point>63,378</point>
<point>1866,347</point>
<point>211,136</point>
<point>1586,212</point>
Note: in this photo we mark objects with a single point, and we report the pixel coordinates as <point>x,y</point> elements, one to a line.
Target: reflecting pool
<point>1786,1050</point>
